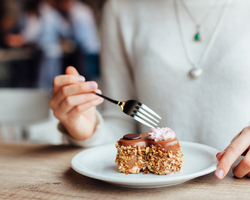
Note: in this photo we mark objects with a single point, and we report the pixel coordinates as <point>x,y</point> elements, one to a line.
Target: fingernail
<point>98,91</point>
<point>92,85</point>
<point>219,173</point>
<point>100,99</point>
<point>80,79</point>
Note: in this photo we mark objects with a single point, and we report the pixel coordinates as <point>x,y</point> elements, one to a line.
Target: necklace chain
<point>196,65</point>
<point>203,19</point>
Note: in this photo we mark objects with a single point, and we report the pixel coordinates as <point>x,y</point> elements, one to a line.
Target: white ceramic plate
<point>99,163</point>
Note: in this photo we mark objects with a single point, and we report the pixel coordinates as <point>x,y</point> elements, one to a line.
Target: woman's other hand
<point>226,158</point>
<point>74,103</point>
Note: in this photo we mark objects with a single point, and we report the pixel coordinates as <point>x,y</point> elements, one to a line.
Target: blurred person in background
<point>49,35</point>
<point>80,41</point>
<point>19,35</point>
<point>31,29</point>
<point>49,42</point>
<point>10,39</point>
<point>9,27</point>
<point>10,36</point>
<point>68,35</point>
<point>39,28</point>
<point>31,21</point>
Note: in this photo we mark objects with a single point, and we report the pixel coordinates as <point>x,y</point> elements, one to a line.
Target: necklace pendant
<point>195,72</point>
<point>197,37</point>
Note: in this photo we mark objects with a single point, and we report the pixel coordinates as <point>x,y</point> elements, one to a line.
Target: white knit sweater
<point>143,59</point>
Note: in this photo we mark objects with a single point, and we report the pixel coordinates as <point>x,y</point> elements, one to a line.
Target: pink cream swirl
<point>159,134</point>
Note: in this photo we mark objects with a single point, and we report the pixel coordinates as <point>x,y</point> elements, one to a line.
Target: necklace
<point>196,71</point>
<point>197,36</point>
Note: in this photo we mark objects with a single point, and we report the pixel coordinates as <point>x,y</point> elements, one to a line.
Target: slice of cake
<point>158,151</point>
<point>164,155</point>
<point>131,150</point>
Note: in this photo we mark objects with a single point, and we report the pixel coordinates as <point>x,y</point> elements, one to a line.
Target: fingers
<point>220,154</point>
<point>243,167</point>
<point>71,71</point>
<point>70,102</point>
<point>232,152</point>
<point>64,80</point>
<point>76,105</point>
<point>78,110</point>
<point>71,77</point>
<point>67,91</point>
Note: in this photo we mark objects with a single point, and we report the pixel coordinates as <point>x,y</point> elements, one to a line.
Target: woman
<point>199,88</point>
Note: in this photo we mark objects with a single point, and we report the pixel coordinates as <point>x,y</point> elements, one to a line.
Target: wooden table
<point>35,171</point>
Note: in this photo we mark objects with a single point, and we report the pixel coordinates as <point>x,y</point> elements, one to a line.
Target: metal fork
<point>138,111</point>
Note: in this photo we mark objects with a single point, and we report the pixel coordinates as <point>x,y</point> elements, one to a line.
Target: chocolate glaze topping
<point>132,136</point>
<point>144,141</point>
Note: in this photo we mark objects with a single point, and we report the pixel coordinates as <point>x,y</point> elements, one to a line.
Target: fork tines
<point>145,115</point>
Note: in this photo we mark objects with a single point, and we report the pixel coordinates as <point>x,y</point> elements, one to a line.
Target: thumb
<point>70,70</point>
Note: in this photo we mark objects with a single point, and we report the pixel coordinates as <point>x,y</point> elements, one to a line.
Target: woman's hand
<point>74,103</point>
<point>226,158</point>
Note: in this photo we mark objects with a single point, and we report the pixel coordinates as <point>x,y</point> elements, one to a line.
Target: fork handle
<point>107,98</point>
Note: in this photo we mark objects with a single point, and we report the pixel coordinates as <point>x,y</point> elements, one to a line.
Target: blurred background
<point>38,40</point>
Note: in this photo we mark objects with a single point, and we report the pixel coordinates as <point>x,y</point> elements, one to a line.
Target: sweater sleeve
<point>116,83</point>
